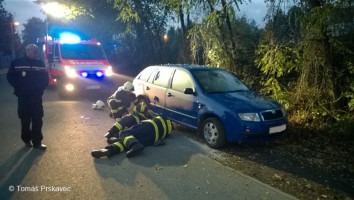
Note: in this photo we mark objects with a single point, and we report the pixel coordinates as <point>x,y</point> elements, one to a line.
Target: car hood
<point>245,101</point>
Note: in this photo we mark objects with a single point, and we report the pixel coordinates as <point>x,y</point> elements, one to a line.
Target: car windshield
<point>81,52</point>
<point>219,81</point>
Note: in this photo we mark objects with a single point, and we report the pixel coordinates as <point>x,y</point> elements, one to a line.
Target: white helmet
<point>128,86</point>
<point>99,105</point>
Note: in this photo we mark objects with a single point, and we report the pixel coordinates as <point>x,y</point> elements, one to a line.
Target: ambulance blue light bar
<point>67,37</point>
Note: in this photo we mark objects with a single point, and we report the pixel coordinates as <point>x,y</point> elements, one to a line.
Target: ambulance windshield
<point>82,52</point>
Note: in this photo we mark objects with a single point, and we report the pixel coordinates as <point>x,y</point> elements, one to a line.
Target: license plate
<point>277,129</point>
<point>93,87</point>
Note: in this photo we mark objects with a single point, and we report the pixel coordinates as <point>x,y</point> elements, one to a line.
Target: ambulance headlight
<point>70,72</point>
<point>99,74</point>
<point>69,87</point>
<point>109,71</point>
<point>84,74</point>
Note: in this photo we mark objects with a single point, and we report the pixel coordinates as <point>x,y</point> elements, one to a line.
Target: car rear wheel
<point>213,132</point>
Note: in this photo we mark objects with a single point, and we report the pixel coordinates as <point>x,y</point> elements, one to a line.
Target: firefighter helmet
<point>99,105</point>
<point>128,86</point>
<point>140,108</point>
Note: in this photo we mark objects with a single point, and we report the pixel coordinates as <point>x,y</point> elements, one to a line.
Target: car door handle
<point>156,98</point>
<point>169,94</point>
<point>147,88</point>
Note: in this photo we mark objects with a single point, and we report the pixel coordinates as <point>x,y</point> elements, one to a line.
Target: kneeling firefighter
<point>140,112</point>
<point>133,140</point>
<point>121,100</point>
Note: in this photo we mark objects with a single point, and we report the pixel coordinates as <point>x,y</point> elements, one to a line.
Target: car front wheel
<point>213,132</point>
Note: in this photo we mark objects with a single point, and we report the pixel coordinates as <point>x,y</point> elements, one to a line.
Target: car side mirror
<point>189,91</point>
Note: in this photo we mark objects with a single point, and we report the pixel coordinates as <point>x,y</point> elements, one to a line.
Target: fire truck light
<point>109,71</point>
<point>84,74</point>
<point>99,74</point>
<point>70,72</point>
<point>69,38</point>
<point>69,87</point>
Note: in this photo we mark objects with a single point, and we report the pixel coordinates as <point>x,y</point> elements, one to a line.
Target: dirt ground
<point>303,163</point>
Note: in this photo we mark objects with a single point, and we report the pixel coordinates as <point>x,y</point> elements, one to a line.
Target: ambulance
<point>75,65</point>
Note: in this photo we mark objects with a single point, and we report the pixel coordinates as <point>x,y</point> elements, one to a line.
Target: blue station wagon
<point>210,100</point>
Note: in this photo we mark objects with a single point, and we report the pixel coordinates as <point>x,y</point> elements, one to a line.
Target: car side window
<point>181,80</point>
<point>146,73</point>
<point>162,77</point>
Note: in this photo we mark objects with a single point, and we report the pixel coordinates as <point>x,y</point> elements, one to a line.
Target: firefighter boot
<point>108,134</point>
<point>100,153</point>
<point>112,140</point>
<point>135,149</point>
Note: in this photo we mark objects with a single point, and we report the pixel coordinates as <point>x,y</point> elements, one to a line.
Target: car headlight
<point>254,117</point>
<point>109,71</point>
<point>70,72</point>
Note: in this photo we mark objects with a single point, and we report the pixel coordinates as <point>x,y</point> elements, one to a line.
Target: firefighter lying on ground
<point>134,139</point>
<point>140,112</point>
<point>121,100</point>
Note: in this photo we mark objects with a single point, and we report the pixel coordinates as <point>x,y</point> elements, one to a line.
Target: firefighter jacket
<point>28,77</point>
<point>126,121</point>
<point>120,101</point>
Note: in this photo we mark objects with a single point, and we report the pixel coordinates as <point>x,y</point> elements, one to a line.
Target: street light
<point>165,37</point>
<point>13,24</point>
<point>56,10</point>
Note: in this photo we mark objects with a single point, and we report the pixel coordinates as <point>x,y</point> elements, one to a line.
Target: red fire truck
<point>76,65</point>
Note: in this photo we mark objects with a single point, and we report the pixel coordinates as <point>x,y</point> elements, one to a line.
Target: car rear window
<point>146,73</point>
<point>219,81</point>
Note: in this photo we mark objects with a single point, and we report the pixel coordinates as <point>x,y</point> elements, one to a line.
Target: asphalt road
<point>181,169</point>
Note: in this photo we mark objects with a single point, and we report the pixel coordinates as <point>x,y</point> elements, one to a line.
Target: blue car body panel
<point>191,109</point>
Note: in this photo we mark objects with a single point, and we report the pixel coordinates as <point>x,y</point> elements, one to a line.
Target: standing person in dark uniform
<point>29,78</point>
<point>140,112</point>
<point>121,100</point>
<point>146,133</point>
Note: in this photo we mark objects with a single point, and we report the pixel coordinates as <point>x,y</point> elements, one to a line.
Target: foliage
<point>277,64</point>
<point>310,50</point>
<point>34,28</point>
<point>8,31</point>
<point>227,42</point>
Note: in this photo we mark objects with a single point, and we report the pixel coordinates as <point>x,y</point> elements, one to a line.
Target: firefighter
<point>121,100</point>
<point>140,112</point>
<point>133,140</point>
<point>29,78</point>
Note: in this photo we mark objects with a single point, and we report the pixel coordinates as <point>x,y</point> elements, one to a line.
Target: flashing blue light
<point>84,74</point>
<point>99,74</point>
<point>67,37</point>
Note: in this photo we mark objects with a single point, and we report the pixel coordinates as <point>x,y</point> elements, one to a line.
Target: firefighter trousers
<point>143,133</point>
<point>30,112</point>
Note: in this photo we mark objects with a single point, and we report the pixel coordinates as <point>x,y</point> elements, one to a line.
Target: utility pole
<point>13,53</point>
